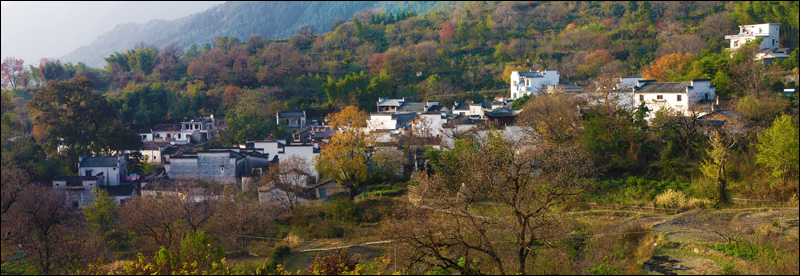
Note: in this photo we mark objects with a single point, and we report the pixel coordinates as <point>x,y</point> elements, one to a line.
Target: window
<point>87,172</point>
<point>736,43</point>
<point>641,98</point>
<point>707,96</point>
<point>679,98</point>
<point>660,97</point>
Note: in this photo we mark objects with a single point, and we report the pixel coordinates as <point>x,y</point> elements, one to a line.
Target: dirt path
<point>687,232</point>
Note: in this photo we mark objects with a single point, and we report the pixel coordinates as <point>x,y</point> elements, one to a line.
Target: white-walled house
<point>526,83</point>
<point>169,133</point>
<point>291,119</point>
<point>769,31</point>
<point>769,50</point>
<point>199,129</point>
<point>685,97</point>
<point>112,168</point>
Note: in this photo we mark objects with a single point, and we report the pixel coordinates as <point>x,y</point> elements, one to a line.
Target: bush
<point>699,203</point>
<point>671,199</point>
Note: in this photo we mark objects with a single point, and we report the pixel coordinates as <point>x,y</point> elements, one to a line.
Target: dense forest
<point>447,52</point>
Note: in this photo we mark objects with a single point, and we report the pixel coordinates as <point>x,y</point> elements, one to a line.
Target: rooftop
<point>109,161</point>
<point>167,127</point>
<point>664,87</point>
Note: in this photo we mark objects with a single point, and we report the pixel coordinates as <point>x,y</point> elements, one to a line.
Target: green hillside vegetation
<point>483,207</point>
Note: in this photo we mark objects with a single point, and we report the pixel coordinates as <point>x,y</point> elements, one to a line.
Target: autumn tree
<point>516,184</point>
<point>671,67</point>
<point>553,118</point>
<point>350,152</point>
<point>446,33</point>
<point>12,70</point>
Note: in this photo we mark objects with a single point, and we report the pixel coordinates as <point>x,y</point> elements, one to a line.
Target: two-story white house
<point>527,83</point>
<point>111,167</point>
<point>199,129</point>
<point>769,31</point>
<point>769,50</point>
<point>291,119</point>
<point>685,96</point>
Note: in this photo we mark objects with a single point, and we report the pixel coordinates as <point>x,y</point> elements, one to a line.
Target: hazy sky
<point>33,30</point>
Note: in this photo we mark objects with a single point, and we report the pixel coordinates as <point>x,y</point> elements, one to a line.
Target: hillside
<point>235,19</point>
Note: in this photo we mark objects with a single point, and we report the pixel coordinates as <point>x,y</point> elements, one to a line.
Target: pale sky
<point>33,30</point>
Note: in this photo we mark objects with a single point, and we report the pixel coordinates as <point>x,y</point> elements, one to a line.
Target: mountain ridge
<point>274,20</point>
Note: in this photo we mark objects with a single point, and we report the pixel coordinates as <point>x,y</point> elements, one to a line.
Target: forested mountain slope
<point>275,20</point>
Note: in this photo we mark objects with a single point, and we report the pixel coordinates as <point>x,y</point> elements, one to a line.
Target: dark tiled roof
<point>405,118</point>
<point>154,145</point>
<point>290,114</point>
<point>119,190</point>
<point>501,112</point>
<point>664,87</point>
<point>412,107</point>
<point>74,180</point>
<point>167,127</point>
<point>110,161</point>
<point>435,109</point>
<point>461,106</point>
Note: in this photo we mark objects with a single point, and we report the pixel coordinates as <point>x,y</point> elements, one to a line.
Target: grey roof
<point>392,102</point>
<point>294,114</point>
<point>412,107</point>
<point>533,74</point>
<point>501,112</point>
<point>405,117</point>
<point>119,190</point>
<point>154,145</point>
<point>167,127</point>
<point>664,87</point>
<point>110,161</point>
<point>461,106</point>
<point>436,109</point>
<point>74,180</point>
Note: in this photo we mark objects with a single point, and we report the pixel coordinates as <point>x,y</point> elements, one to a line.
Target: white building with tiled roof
<point>684,96</point>
<point>526,83</point>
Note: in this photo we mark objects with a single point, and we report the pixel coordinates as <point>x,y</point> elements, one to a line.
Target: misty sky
<point>33,30</point>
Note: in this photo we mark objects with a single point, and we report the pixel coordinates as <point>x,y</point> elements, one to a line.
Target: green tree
<point>72,120</point>
<point>103,214</point>
<point>778,148</point>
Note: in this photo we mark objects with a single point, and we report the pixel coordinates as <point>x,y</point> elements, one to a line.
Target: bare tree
<point>306,30</point>
<point>286,180</point>
<point>515,184</point>
<point>554,118</point>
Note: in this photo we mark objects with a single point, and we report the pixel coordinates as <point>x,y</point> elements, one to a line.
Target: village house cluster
<point>172,145</point>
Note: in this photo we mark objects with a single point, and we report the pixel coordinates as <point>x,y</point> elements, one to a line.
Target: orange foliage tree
<point>672,67</point>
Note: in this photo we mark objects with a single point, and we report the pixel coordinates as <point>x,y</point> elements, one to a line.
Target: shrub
<point>671,199</point>
<point>699,203</point>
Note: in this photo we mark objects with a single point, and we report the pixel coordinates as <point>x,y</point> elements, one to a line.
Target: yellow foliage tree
<point>345,159</point>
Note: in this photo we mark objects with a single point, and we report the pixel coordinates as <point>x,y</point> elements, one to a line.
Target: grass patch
<point>20,267</point>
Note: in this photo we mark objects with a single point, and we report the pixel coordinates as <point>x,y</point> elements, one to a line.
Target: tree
<point>717,164</point>
<point>12,70</point>
<point>516,183</point>
<point>446,33</point>
<point>306,30</point>
<point>102,214</point>
<point>778,148</point>
<point>553,118</point>
<point>287,180</point>
<point>346,158</point>
<point>72,120</point>
<point>671,67</point>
